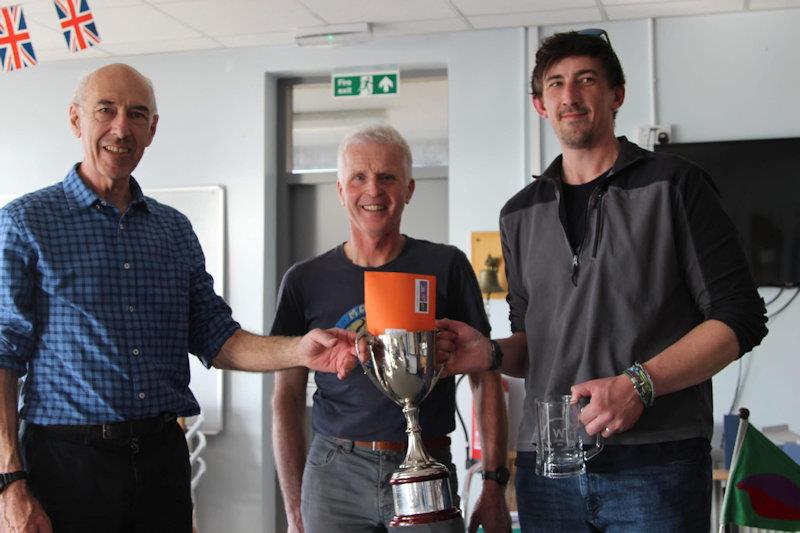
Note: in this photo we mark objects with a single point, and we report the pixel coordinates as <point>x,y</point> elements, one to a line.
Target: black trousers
<point>87,483</point>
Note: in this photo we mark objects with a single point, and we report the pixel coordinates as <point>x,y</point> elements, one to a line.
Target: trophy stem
<point>416,455</point>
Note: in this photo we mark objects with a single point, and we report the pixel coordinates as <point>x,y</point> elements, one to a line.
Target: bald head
<point>118,71</point>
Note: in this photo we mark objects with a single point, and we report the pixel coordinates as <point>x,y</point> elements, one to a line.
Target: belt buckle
<point>107,431</point>
<point>375,446</point>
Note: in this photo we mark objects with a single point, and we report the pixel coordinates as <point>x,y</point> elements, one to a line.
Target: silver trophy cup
<point>403,365</point>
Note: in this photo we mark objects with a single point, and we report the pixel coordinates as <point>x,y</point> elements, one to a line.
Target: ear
<point>340,191</point>
<point>538,105</point>
<point>74,120</point>
<point>411,186</point>
<point>619,97</point>
<point>152,132</point>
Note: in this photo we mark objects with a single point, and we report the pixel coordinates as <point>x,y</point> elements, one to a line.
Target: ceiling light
<point>333,34</point>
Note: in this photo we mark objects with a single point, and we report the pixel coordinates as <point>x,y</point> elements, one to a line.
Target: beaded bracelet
<point>642,382</point>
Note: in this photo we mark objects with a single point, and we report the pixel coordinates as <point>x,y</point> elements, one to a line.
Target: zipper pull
<point>575,265</point>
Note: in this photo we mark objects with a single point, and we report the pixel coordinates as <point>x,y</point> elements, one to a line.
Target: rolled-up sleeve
<point>210,319</point>
<point>17,296</point>
<point>716,269</point>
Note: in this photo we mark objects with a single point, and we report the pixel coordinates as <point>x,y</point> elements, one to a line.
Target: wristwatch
<point>501,475</point>
<point>8,478</point>
<point>497,355</point>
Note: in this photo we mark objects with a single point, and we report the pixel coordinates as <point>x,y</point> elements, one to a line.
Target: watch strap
<point>8,478</point>
<point>497,355</point>
<point>501,475</point>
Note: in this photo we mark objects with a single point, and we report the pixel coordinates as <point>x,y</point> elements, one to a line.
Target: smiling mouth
<point>116,149</point>
<point>373,207</point>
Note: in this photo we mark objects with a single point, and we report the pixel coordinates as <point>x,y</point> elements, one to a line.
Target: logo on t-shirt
<point>354,320</point>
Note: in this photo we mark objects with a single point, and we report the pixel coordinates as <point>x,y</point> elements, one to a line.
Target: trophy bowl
<point>402,364</point>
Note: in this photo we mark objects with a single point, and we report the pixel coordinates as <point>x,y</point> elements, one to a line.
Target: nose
<point>571,93</point>
<point>373,185</point>
<point>120,125</point>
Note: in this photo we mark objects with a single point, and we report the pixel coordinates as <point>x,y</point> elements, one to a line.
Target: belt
<point>400,446</point>
<point>117,430</point>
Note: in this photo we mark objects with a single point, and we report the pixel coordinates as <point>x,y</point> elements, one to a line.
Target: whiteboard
<point>205,209</point>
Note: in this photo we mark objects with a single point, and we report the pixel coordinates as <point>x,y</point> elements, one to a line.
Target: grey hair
<point>374,134</point>
<point>80,90</point>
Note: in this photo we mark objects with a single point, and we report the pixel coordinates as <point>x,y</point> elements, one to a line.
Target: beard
<point>576,133</point>
<point>576,138</point>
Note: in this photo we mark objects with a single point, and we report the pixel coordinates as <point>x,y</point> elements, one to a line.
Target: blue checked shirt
<point>101,310</point>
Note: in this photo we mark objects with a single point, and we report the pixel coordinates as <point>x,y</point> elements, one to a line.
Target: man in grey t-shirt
<point>359,434</point>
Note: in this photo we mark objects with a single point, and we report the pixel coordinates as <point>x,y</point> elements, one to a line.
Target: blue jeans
<point>346,489</point>
<point>657,498</point>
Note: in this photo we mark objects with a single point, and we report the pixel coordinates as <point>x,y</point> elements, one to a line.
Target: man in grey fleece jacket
<point>628,289</point>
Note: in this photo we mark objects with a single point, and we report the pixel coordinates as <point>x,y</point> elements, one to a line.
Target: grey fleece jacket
<point>659,257</point>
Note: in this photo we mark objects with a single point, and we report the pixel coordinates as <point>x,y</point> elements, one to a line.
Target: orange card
<point>398,300</point>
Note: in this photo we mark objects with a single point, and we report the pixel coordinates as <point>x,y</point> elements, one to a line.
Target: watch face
<point>503,475</point>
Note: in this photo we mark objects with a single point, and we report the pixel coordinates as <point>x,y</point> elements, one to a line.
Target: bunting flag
<point>77,23</point>
<point>763,486</point>
<point>16,49</point>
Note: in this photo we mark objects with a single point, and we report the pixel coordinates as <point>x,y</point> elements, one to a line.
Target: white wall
<point>718,76</point>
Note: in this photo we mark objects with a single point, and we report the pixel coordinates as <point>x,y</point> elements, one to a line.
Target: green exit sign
<point>365,84</point>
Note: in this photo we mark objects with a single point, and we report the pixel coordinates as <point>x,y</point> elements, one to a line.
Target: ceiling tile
<point>498,7</point>
<point>45,36</point>
<point>168,45</point>
<point>63,54</point>
<point>420,26</point>
<point>45,8</point>
<point>773,4</point>
<point>257,39</point>
<point>638,2</point>
<point>672,9</point>
<point>343,11</point>
<point>539,18</point>
<point>139,24</point>
<point>241,16</point>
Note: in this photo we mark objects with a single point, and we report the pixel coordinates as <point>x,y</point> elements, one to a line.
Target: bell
<point>488,279</point>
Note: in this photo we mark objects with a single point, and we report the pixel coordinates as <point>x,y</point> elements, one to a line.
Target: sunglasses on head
<point>596,32</point>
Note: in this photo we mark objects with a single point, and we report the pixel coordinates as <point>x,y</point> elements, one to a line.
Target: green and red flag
<point>763,485</point>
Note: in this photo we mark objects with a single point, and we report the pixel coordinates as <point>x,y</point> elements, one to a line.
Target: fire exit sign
<point>365,83</point>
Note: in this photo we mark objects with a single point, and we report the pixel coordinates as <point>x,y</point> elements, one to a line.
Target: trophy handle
<point>370,366</point>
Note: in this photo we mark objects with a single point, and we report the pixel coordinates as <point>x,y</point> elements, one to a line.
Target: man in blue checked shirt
<point>103,293</point>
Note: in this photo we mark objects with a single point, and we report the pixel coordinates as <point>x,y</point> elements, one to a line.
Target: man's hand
<point>614,407</point>
<point>490,510</point>
<point>20,512</point>
<point>330,350</point>
<point>464,348</point>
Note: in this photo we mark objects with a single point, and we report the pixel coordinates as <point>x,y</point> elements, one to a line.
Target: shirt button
<point>142,396</point>
<point>121,225</point>
<point>126,265</point>
<point>131,308</point>
<point>136,351</point>
<point>97,206</point>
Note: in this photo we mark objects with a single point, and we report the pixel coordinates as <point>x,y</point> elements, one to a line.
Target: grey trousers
<point>346,489</point>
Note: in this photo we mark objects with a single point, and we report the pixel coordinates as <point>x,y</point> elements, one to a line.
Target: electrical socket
<point>648,136</point>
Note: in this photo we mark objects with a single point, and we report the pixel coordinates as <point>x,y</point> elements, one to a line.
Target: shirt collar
<point>80,196</point>
<point>629,153</point>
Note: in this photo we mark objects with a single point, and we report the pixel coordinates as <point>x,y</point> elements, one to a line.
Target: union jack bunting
<point>77,23</point>
<point>16,49</point>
